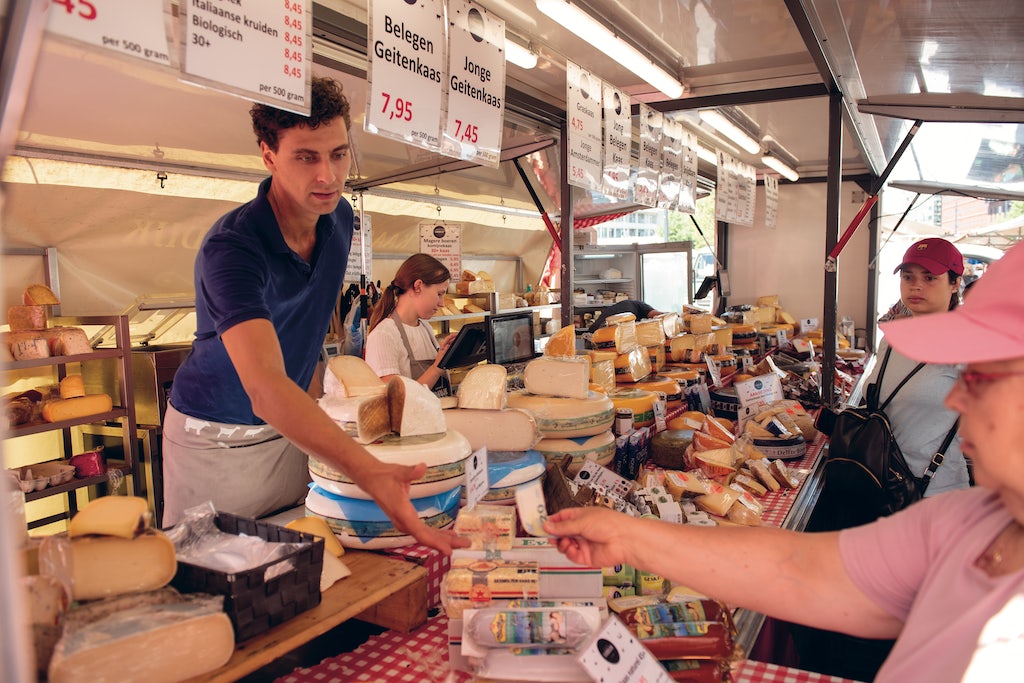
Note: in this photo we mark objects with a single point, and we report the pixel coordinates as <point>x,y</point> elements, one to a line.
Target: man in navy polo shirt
<point>267,276</point>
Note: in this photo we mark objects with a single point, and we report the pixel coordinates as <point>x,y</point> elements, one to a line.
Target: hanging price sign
<point>583,111</point>
<point>405,99</point>
<point>476,84</point>
<point>135,28</point>
<point>261,51</point>
<point>618,142</point>
<point>649,170</point>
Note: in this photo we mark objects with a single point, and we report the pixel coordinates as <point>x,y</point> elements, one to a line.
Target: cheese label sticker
<point>477,484</point>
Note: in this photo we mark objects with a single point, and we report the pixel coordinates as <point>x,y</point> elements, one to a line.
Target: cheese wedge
<point>316,526</point>
<point>106,566</point>
<point>509,429</point>
<point>564,377</point>
<point>562,342</point>
<point>72,386</point>
<point>122,516</point>
<point>39,295</point>
<point>414,408</point>
<point>364,418</point>
<point>351,376</point>
<point>483,387</point>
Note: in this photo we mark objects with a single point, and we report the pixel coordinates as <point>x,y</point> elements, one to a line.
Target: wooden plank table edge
<point>375,578</point>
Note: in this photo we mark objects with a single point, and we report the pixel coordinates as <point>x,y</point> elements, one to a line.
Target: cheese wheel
<point>668,448</point>
<point>444,454</point>
<point>316,526</point>
<point>563,377</point>
<point>600,448</point>
<point>75,408</point>
<point>666,385</point>
<point>566,417</point>
<point>639,401</point>
<point>510,429</point>
<point>362,524</point>
<point>72,386</point>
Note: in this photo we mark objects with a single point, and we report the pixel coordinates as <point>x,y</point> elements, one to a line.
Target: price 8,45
<point>396,108</point>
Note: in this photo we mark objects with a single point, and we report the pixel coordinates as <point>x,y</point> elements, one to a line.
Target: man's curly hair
<point>328,104</point>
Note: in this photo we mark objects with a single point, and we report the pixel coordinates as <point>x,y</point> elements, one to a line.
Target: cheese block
<point>619,337</point>
<point>362,524</point>
<point>639,401</point>
<point>176,640</point>
<point>562,342</point>
<point>316,526</point>
<point>415,409</point>
<point>68,341</point>
<point>564,377</point>
<point>656,354</point>
<point>632,366</point>
<point>465,288</point>
<point>351,376</point>
<point>763,474</point>
<point>30,349</point>
<point>650,332</point>
<point>364,418</point>
<point>47,603</point>
<point>602,372</point>
<point>106,566</point>
<point>700,323</point>
<point>26,318</point>
<point>680,484</point>
<point>75,408</point>
<point>566,417</point>
<point>678,347</point>
<point>671,324</point>
<point>445,455</point>
<point>597,356</point>
<point>718,502</point>
<point>483,387</point>
<point>510,429</point>
<point>122,516</point>
<point>600,448</point>
<point>72,386</point>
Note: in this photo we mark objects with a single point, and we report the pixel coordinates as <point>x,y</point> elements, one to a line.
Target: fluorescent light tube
<point>775,163</point>
<point>726,127</point>
<point>589,29</point>
<point>519,55</point>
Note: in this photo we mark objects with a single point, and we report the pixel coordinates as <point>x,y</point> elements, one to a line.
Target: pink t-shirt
<point>918,565</point>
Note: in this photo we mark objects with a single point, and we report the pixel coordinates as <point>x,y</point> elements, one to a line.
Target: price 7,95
<point>396,108</point>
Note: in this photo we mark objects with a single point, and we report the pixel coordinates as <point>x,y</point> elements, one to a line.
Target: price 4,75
<point>396,107</point>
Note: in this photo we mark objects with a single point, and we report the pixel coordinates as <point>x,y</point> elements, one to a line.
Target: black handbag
<point>866,475</point>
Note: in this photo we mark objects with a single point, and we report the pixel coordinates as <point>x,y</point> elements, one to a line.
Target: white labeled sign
<point>645,191</point>
<point>583,111</point>
<point>614,655</point>
<point>476,84</point>
<point>407,51</point>
<point>688,180</point>
<point>808,325</point>
<point>443,241</point>
<point>756,394</point>
<point>771,201</point>
<point>671,163</point>
<point>618,143</point>
<point>258,50</point>
<point>477,483</point>
<point>129,27</point>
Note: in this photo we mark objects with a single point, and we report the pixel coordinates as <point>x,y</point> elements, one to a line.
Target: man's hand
<point>592,536</point>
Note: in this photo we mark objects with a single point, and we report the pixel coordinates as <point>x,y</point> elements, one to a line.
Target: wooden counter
<point>383,591</point>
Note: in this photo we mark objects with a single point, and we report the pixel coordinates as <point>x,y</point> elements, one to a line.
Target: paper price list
<point>258,46</point>
<point>131,27</point>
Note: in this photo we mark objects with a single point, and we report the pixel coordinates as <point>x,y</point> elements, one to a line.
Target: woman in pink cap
<point>945,577</point>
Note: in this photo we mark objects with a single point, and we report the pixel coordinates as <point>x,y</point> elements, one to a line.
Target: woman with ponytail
<point>400,340</point>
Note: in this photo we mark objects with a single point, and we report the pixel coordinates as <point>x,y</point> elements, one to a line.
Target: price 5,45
<point>396,107</point>
<point>82,8</point>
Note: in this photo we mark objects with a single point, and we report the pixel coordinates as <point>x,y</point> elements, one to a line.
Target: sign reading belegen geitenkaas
<point>407,50</point>
<point>259,50</point>
<point>476,84</point>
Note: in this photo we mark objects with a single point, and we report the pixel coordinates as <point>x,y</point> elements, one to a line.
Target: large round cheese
<point>511,468</point>
<point>666,385</point>
<point>566,417</point>
<point>362,524</point>
<point>505,495</point>
<point>444,454</point>
<point>599,448</point>
<point>639,401</point>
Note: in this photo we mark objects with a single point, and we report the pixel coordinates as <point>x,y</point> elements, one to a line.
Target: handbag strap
<point>939,457</point>
<point>881,374</point>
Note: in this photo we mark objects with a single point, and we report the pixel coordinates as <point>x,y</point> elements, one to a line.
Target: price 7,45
<point>396,108</point>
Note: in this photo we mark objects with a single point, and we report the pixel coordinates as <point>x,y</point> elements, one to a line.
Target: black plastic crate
<point>253,603</point>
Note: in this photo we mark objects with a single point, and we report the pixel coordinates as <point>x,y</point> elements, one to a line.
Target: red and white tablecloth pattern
<point>416,657</point>
<point>777,505</point>
<point>436,564</point>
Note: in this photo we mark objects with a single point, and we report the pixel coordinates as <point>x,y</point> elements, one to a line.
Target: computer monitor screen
<point>511,338</point>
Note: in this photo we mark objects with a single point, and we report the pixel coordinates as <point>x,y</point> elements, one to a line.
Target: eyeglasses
<point>972,382</point>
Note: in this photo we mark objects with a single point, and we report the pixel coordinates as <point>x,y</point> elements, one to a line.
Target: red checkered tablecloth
<point>434,562</point>
<point>777,505</point>
<point>418,657</point>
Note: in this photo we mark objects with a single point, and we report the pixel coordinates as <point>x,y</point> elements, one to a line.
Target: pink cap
<point>934,254</point>
<point>989,326</point>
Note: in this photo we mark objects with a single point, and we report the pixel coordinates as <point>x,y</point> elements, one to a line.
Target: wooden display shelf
<point>383,591</point>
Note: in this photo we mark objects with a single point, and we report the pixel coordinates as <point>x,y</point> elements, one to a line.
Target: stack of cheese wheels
<point>744,336</point>
<point>362,524</point>
<point>600,448</point>
<point>399,422</point>
<point>507,471</point>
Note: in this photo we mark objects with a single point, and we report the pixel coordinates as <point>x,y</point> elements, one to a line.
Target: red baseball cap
<point>935,255</point>
<point>988,326</point>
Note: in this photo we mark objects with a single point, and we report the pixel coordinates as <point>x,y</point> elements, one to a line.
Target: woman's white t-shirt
<point>386,354</point>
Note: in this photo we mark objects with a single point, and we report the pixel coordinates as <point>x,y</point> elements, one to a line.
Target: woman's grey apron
<point>443,386</point>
